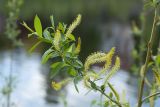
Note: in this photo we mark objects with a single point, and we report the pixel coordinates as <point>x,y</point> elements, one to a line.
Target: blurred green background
<point>105,23</point>
<point>94,14</point>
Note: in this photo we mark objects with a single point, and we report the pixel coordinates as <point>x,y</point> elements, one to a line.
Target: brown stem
<point>153,95</point>
<point>149,50</point>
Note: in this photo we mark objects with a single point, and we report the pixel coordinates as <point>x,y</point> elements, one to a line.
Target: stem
<point>114,101</point>
<point>155,94</point>
<point>149,50</point>
<point>97,88</point>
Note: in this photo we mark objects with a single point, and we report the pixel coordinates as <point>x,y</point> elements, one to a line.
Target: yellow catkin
<point>114,69</point>
<point>57,39</point>
<point>108,61</point>
<point>96,57</point>
<point>75,23</point>
<point>78,48</point>
<point>99,57</point>
<point>109,58</point>
<point>58,85</point>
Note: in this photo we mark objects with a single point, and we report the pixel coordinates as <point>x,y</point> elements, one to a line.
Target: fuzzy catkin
<point>78,48</point>
<point>108,62</point>
<point>75,23</point>
<point>96,57</point>
<point>57,39</point>
<point>114,69</point>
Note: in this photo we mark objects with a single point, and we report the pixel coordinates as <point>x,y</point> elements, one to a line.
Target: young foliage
<point>63,47</point>
<point>38,26</point>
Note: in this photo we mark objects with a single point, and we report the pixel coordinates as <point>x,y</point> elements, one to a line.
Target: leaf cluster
<point>65,48</point>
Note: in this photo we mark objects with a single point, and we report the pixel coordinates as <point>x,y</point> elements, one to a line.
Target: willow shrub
<point>66,48</point>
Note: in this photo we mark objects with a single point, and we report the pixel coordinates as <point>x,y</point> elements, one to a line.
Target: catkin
<point>78,48</point>
<point>96,57</point>
<point>57,39</point>
<point>75,23</point>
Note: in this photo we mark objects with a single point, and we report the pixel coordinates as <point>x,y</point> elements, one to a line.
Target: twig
<point>97,88</point>
<point>149,50</point>
<point>155,94</point>
<point>114,101</point>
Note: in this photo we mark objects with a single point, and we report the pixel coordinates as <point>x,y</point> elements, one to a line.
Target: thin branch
<point>149,50</point>
<point>97,88</point>
<point>152,95</point>
<point>114,101</point>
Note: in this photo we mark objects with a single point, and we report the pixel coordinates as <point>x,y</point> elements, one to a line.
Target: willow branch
<point>152,95</point>
<point>149,50</point>
<point>103,93</point>
<point>114,101</point>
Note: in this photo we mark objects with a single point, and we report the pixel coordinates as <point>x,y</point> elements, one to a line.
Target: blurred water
<point>30,84</point>
<point>29,90</point>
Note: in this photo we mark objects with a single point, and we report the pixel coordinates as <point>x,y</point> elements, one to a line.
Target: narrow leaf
<point>75,81</point>
<point>32,34</point>
<point>157,76</point>
<point>52,21</point>
<point>38,26</point>
<point>60,27</point>
<point>71,36</point>
<point>93,85</point>
<point>56,67</point>
<point>114,91</point>
<point>27,27</point>
<point>71,48</point>
<point>34,46</point>
<point>72,72</point>
<point>47,55</point>
<point>47,34</point>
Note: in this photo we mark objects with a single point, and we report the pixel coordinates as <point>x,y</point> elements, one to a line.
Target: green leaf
<point>60,27</point>
<point>103,88</point>
<point>157,76</point>
<point>64,27</point>
<point>111,95</point>
<point>106,104</point>
<point>114,91</point>
<point>34,46</point>
<point>71,48</point>
<point>71,36</point>
<point>75,81</point>
<point>38,26</point>
<point>47,34</point>
<point>72,72</point>
<point>93,85</point>
<point>56,67</point>
<point>32,34</point>
<point>52,21</point>
<point>78,64</point>
<point>48,54</point>
<point>27,27</point>
<point>137,31</point>
<point>158,60</point>
<point>150,64</point>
